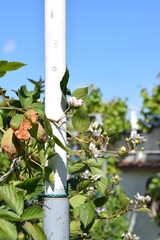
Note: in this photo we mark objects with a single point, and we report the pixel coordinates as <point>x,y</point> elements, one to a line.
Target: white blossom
<point>93,126</point>
<point>148,198</point>
<point>126,236</point>
<point>96,177</point>
<point>85,175</point>
<point>91,188</point>
<point>73,101</point>
<point>135,237</point>
<point>92,146</point>
<point>97,133</point>
<point>139,197</point>
<point>99,210</point>
<point>94,150</point>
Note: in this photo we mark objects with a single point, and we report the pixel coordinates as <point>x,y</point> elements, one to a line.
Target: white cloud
<point>9,47</point>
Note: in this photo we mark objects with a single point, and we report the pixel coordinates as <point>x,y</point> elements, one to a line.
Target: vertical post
<point>56,220</point>
<point>134,124</point>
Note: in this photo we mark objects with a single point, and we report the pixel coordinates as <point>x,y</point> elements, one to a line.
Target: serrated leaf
<point>33,213</point>
<point>147,210</point>
<point>87,213</point>
<point>7,230</point>
<point>80,120</point>
<point>64,82</point>
<point>123,199</point>
<point>80,93</point>
<point>16,121</point>
<point>9,66</point>
<point>34,231</point>
<point>77,200</point>
<point>9,143</point>
<point>25,97</point>
<point>74,228</point>
<point>102,184</point>
<point>33,187</point>
<point>77,167</point>
<point>92,163</point>
<point>13,197</point>
<point>47,126</point>
<point>8,215</point>
<point>49,175</point>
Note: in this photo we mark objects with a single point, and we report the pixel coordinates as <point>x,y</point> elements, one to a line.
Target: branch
<point>13,167</point>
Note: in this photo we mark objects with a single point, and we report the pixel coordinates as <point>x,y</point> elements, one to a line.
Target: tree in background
<point>150,110</point>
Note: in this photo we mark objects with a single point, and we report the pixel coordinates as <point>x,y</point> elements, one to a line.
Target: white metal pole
<point>56,220</point>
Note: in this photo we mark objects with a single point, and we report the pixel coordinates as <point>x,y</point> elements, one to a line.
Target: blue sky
<point>113,44</point>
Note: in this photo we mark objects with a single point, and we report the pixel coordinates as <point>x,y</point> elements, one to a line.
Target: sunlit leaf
<point>7,230</point>
<point>33,213</point>
<point>80,120</point>
<point>13,197</point>
<point>87,213</point>
<point>6,66</point>
<point>77,200</point>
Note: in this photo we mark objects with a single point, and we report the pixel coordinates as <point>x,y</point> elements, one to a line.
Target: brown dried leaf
<point>22,132</point>
<point>32,116</point>
<point>9,143</point>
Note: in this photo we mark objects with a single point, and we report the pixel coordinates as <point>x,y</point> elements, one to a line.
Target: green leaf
<point>102,184</point>
<point>143,209</point>
<point>77,167</point>
<point>64,82</point>
<point>80,120</point>
<point>25,97</point>
<point>33,213</point>
<point>9,66</point>
<point>1,121</point>
<point>38,107</point>
<point>92,163</point>
<point>7,230</point>
<point>87,213</point>
<point>80,93</point>
<point>123,199</point>
<point>16,121</point>
<point>100,201</point>
<point>37,132</point>
<point>74,228</point>
<point>33,187</point>
<point>47,126</point>
<point>77,200</point>
<point>83,184</point>
<point>60,144</point>
<point>8,215</point>
<point>49,175</point>
<point>13,197</point>
<point>34,231</point>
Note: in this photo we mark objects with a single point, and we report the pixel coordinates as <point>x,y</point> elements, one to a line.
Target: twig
<point>4,98</point>
<point>13,167</point>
